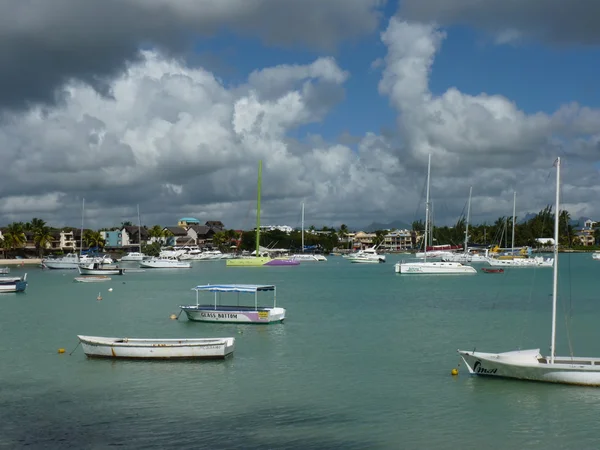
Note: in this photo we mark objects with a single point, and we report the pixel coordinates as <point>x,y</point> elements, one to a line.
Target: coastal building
<point>177,236</point>
<point>285,228</point>
<point>201,234</point>
<point>585,235</point>
<point>363,239</point>
<point>185,222</point>
<point>397,240</point>
<point>112,238</point>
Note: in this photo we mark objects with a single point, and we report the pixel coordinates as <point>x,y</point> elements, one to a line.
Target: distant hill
<point>395,225</point>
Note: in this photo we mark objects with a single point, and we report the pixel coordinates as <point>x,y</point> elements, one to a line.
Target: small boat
<point>216,312</point>
<point>530,364</point>
<point>164,262</point>
<point>92,279</point>
<point>110,347</point>
<point>13,284</point>
<point>486,270</point>
<point>134,256</point>
<point>96,268</point>
<point>4,270</point>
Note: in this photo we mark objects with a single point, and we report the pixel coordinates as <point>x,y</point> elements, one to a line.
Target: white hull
<point>104,347</point>
<point>92,279</point>
<point>538,261</point>
<point>596,256</point>
<point>99,271</point>
<point>434,254</point>
<point>465,258</point>
<point>208,313</point>
<point>134,256</point>
<point>308,258</point>
<point>164,263</point>
<point>367,260</point>
<point>434,268</point>
<point>531,365</point>
<point>58,264</point>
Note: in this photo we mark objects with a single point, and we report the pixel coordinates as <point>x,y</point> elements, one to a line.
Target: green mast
<point>258,209</point>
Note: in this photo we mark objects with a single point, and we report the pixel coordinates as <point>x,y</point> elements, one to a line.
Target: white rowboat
<point>110,347</point>
<point>92,279</point>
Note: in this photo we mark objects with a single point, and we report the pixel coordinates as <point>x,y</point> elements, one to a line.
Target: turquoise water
<point>362,361</point>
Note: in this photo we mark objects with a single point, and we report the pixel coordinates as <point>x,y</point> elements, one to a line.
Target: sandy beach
<point>20,262</point>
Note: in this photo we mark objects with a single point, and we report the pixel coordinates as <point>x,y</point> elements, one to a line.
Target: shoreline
<point>20,262</point>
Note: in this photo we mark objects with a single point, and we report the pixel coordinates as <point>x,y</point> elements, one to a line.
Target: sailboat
<point>136,256</point>
<point>431,267</point>
<point>518,261</point>
<point>530,364</point>
<point>307,257</point>
<point>257,260</point>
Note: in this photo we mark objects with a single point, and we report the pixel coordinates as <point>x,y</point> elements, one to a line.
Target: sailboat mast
<point>555,274</point>
<point>139,229</point>
<point>302,227</point>
<point>258,209</point>
<point>512,251</point>
<point>468,219</point>
<point>81,237</point>
<point>427,206</point>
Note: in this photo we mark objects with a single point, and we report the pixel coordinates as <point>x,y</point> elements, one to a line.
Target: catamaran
<point>431,267</point>
<point>259,260</point>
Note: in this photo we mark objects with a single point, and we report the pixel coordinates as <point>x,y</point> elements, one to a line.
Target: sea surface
<point>363,361</point>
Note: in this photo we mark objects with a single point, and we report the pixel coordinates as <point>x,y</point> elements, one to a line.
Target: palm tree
<point>93,239</point>
<point>42,234</point>
<point>127,223</point>
<point>14,236</point>
<point>156,232</point>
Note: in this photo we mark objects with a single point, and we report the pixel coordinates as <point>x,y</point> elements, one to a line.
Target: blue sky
<point>537,77</point>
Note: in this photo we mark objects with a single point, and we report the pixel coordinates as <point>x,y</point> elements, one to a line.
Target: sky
<point>170,106</point>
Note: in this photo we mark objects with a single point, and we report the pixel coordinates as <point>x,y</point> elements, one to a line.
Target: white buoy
<point>109,289</point>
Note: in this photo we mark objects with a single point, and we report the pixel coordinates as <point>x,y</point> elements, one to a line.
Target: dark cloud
<point>46,44</point>
<point>563,22</point>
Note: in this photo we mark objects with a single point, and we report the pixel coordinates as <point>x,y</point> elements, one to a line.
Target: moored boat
<point>216,312</point>
<point>134,348</point>
<point>13,284</point>
<point>92,279</point>
<point>164,262</point>
<point>98,269</point>
<point>531,364</point>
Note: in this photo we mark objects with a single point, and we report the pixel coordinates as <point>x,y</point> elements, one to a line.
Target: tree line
<point>325,239</point>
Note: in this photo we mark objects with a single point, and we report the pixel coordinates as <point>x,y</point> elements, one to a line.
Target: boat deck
<point>228,307</point>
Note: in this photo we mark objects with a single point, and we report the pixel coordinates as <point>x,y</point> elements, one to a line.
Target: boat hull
<point>530,365</point>
<point>521,262</point>
<point>92,279</point>
<point>13,284</point>
<point>102,347</point>
<point>434,268</point>
<point>366,260</point>
<point>162,265</point>
<point>234,314</point>
<point>106,271</point>
<point>247,262</point>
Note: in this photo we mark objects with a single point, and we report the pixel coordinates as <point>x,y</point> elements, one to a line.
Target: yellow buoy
<point>173,316</point>
<point>61,350</point>
<point>454,372</point>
